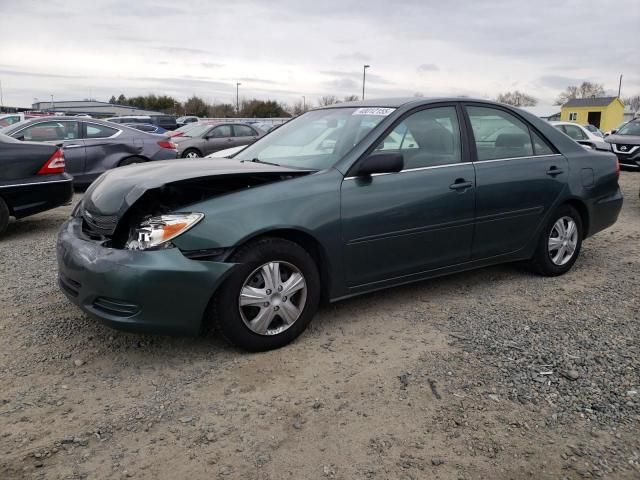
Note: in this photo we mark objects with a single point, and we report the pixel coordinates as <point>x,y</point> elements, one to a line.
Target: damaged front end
<point>150,214</point>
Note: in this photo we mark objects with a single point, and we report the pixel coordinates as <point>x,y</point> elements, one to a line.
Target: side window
<point>51,131</point>
<point>221,132</point>
<point>575,132</point>
<point>573,116</point>
<point>243,131</point>
<point>426,138</point>
<point>499,134</point>
<point>99,131</point>
<point>540,147</point>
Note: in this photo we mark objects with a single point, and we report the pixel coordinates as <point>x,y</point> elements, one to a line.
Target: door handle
<point>553,171</point>
<point>71,145</point>
<point>460,184</point>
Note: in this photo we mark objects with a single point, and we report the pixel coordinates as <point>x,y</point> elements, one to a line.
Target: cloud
<point>427,67</point>
<point>181,50</point>
<point>352,57</point>
<point>211,65</point>
<point>559,81</point>
<point>24,73</point>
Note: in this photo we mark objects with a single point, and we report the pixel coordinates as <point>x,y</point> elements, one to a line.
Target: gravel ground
<point>490,374</point>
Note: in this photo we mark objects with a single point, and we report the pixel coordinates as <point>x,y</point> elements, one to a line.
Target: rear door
<point>100,146</point>
<point>519,176</point>
<point>243,135</point>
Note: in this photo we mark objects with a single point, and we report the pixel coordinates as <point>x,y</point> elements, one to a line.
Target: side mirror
<point>614,131</point>
<point>588,144</point>
<point>379,163</point>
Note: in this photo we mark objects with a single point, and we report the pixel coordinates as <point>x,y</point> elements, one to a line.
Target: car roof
<point>405,101</point>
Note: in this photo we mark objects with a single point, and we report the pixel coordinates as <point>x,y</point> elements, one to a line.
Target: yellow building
<point>605,113</point>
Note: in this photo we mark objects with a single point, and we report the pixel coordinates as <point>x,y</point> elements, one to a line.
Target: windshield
<point>631,128</point>
<point>317,139</point>
<point>197,131</point>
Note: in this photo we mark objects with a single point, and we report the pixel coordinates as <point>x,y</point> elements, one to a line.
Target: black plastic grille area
<point>102,225</point>
<point>116,308</point>
<point>70,286</point>
<point>624,148</point>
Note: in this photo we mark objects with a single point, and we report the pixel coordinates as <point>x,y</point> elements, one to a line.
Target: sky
<point>286,49</point>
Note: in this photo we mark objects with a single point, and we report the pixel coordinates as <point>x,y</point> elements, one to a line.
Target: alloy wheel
<point>272,298</point>
<point>563,240</point>
<point>192,154</point>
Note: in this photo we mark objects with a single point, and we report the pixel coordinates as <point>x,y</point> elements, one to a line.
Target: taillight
<point>55,164</point>
<point>169,145</point>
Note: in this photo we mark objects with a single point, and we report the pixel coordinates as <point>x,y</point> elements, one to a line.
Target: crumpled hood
<point>116,190</point>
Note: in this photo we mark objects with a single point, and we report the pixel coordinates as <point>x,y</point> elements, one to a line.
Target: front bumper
<point>158,291</point>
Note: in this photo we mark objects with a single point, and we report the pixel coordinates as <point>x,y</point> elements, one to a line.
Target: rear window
<point>99,131</point>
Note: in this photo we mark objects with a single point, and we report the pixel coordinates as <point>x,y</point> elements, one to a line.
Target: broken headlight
<point>158,231</point>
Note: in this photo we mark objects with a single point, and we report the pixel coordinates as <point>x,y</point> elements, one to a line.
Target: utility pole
<point>304,104</point>
<point>619,85</point>
<point>51,108</point>
<point>237,99</point>
<point>1,98</point>
<point>364,77</point>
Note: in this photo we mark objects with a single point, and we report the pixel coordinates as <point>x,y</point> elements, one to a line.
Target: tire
<point>241,325</point>
<point>4,216</point>
<point>131,161</point>
<point>191,153</point>
<point>549,259</point>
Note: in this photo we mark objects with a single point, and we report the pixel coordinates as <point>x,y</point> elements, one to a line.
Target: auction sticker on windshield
<point>382,112</point>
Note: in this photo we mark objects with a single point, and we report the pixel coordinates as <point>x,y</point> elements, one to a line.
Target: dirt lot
<point>490,374</point>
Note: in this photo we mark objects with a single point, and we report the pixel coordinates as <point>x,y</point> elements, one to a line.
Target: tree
<point>517,99</point>
<point>196,106</point>
<point>122,100</point>
<point>584,90</point>
<point>633,102</point>
<point>351,98</point>
<point>327,100</point>
<point>112,100</point>
<point>298,108</point>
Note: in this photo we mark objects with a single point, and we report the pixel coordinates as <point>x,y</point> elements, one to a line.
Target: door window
<point>243,131</point>
<point>99,131</point>
<point>575,132</point>
<point>426,138</point>
<point>540,147</point>
<point>50,131</point>
<point>499,134</point>
<point>222,131</point>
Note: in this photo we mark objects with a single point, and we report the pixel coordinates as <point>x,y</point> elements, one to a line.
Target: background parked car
<point>168,122</point>
<point>582,135</point>
<point>93,146</point>
<point>626,144</point>
<point>179,132</point>
<point>185,120</point>
<point>199,142</point>
<point>32,179</point>
<point>13,118</point>
<point>147,127</point>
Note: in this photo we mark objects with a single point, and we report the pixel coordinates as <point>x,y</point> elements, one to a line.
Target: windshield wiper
<point>257,160</point>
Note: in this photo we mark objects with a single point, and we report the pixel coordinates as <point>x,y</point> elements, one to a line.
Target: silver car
<point>93,146</point>
<point>202,140</point>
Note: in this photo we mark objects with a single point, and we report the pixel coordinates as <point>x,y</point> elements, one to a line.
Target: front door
<point>518,179</point>
<point>419,219</point>
<point>218,138</point>
<point>65,133</point>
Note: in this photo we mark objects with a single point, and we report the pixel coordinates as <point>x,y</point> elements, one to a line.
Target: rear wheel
<point>560,242</point>
<point>131,161</point>
<point>191,153</point>
<point>271,296</point>
<point>4,216</point>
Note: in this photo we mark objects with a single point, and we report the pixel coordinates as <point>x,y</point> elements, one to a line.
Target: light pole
<point>304,104</point>
<point>52,102</point>
<point>364,78</point>
<point>620,86</point>
<point>237,98</point>
<point>1,97</point>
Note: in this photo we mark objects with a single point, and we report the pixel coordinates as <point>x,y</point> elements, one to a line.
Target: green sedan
<point>341,201</point>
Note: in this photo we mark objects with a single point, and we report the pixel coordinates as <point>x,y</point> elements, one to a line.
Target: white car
<point>582,135</point>
<point>227,152</point>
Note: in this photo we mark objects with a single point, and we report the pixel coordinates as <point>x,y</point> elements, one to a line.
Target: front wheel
<point>271,296</point>
<point>191,153</point>
<point>560,242</point>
